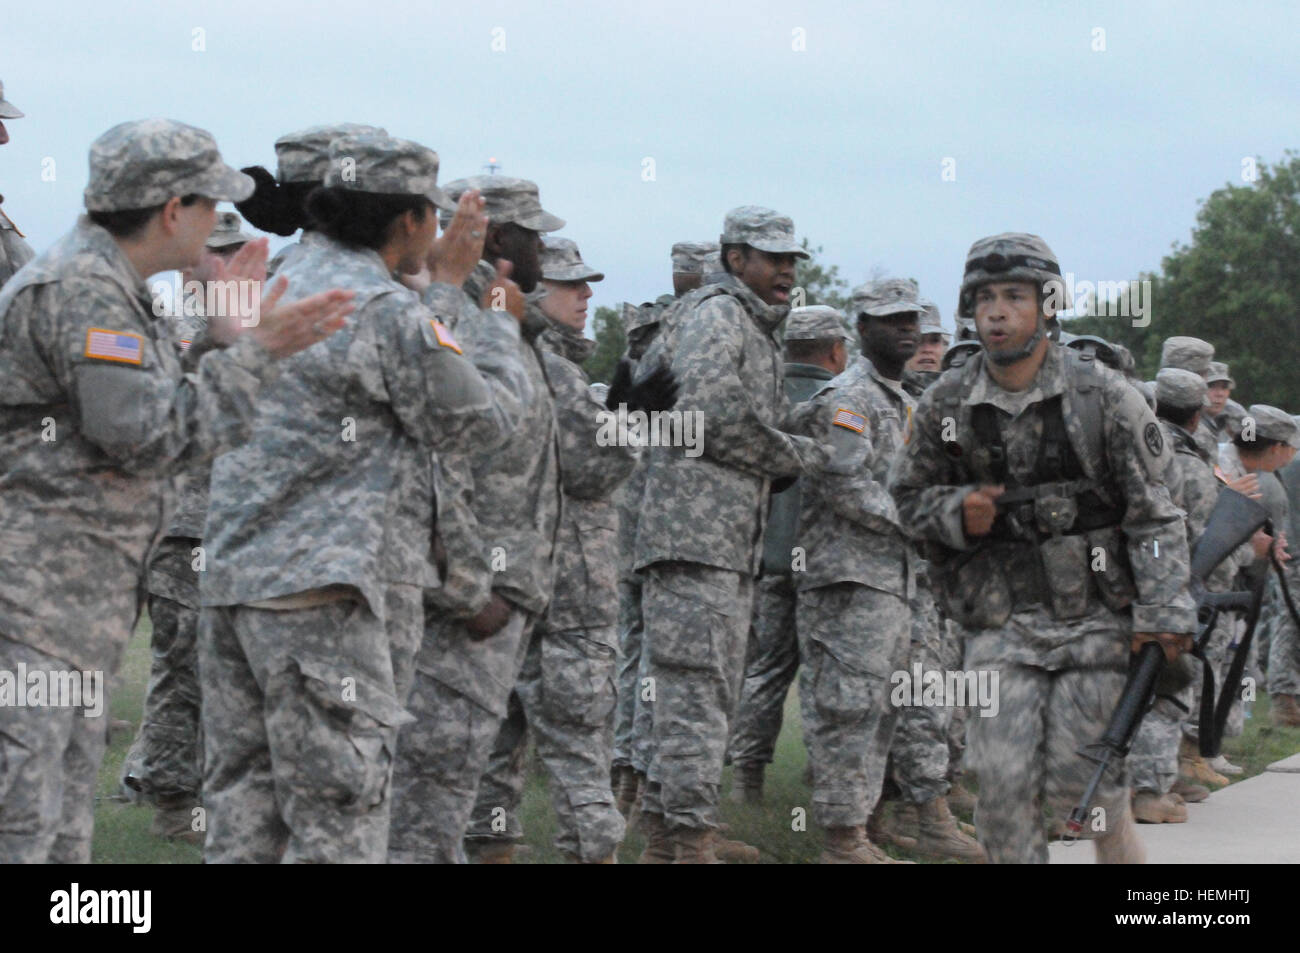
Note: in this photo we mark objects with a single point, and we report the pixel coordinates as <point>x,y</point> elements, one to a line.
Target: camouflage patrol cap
<point>886,296</point>
<point>1273,424</point>
<point>304,156</point>
<point>508,200</point>
<point>761,228</point>
<point>1011,256</point>
<point>561,261</point>
<point>144,163</point>
<point>385,165</point>
<point>931,318</point>
<point>1219,372</point>
<point>7,109</point>
<point>1179,388</point>
<point>227,231</point>
<point>696,258</point>
<point>817,322</point>
<point>1191,354</point>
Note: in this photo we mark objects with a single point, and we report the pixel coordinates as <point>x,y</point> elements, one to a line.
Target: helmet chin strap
<point>1004,358</point>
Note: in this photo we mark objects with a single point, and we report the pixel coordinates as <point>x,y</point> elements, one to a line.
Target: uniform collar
<point>807,370</point>
<point>1048,382</point>
<point>97,240</point>
<point>768,316</point>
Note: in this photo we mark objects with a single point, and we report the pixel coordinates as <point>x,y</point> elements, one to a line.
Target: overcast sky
<point>839,115</point>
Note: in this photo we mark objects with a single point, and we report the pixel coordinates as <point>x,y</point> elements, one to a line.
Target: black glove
<point>656,391</point>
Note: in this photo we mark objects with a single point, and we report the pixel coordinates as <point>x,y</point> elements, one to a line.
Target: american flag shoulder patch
<point>444,336</point>
<point>121,346</point>
<point>185,345</point>
<point>847,418</point>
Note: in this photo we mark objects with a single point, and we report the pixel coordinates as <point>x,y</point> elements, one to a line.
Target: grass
<point>122,829</point>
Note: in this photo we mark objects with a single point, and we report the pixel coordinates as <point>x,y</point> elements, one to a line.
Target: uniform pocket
<point>577,680</point>
<point>1065,567</point>
<point>688,616</point>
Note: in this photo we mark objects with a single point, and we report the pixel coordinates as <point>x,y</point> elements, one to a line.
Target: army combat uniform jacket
<point>14,252</point>
<point>96,415</point>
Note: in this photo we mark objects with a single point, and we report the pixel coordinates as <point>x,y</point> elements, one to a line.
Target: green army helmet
<point>1011,256</point>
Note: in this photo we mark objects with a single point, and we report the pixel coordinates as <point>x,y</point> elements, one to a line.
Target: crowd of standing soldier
<point>384,538</point>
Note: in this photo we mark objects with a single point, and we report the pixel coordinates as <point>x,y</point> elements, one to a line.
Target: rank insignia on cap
<point>115,346</point>
<point>847,418</point>
<point>444,336</point>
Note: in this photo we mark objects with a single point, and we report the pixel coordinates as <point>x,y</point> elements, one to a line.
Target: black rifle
<point>1234,520</point>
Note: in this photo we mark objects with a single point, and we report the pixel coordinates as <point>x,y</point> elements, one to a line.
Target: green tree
<point>611,342</point>
<point>821,285</point>
<point>1237,285</point>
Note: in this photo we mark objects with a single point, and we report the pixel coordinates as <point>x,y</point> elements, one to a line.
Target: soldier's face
<point>929,354</point>
<point>1006,315</point>
<point>768,275</point>
<point>1218,393</point>
<point>190,226</point>
<point>892,337</point>
<point>4,134</point>
<point>566,302</point>
<point>520,246</point>
<point>684,283</point>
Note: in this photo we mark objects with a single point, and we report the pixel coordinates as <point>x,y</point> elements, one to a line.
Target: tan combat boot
<point>694,845</point>
<point>173,819</point>
<point>1122,845</point>
<point>1152,808</point>
<point>747,782</point>
<point>482,850</point>
<point>733,851</point>
<point>1285,711</point>
<point>939,836</point>
<point>658,845</point>
<point>575,859</point>
<point>850,845</point>
<point>1195,768</point>
<point>896,827</point>
<point>1190,793</point>
<point>960,799</point>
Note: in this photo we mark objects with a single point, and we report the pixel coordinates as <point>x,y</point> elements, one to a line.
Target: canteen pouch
<point>1109,566</point>
<point>1065,569</point>
<point>973,589</point>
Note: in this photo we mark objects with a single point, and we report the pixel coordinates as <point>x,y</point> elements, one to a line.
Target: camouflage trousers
<point>631,629</point>
<point>851,638</point>
<point>565,695</point>
<point>49,759</point>
<point>771,663</point>
<point>953,646</point>
<point>918,756</point>
<point>696,627</point>
<point>1026,754</point>
<point>1283,650</point>
<point>1152,762</point>
<point>460,697</point>
<point>301,709</point>
<point>166,758</point>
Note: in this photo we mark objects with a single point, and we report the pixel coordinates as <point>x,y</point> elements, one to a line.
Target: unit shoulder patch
<point>444,335</point>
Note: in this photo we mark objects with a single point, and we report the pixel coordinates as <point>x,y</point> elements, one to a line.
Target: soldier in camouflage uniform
<point>1195,355</point>
<point>14,251</point>
<point>924,367</point>
<point>319,527</point>
<point>816,349</point>
<point>279,202</point>
<point>1017,465</point>
<point>565,689</point>
<point>1153,760</point>
<point>1283,655</point>
<point>702,517</point>
<point>1222,413</point>
<point>498,515</point>
<point>164,766</point>
<point>96,415</point>
<point>691,262</point>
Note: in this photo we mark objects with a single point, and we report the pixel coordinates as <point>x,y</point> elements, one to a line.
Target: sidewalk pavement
<point>1256,821</point>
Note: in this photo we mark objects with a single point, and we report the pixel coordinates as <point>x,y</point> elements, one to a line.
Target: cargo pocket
<point>577,680</point>
<point>842,694</point>
<point>325,745</point>
<point>688,618</point>
<point>1109,565</point>
<point>1065,568</point>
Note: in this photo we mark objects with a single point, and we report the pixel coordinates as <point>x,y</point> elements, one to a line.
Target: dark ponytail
<point>275,207</point>
<point>361,218</point>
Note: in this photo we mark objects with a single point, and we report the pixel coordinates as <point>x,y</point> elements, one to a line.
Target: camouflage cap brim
<point>778,247</point>
<point>893,307</point>
<point>9,111</point>
<point>540,221</point>
<point>441,199</point>
<point>223,184</point>
<point>579,272</point>
<point>225,241</point>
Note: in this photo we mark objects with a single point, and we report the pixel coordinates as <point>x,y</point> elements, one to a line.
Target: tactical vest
<point>1056,540</point>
